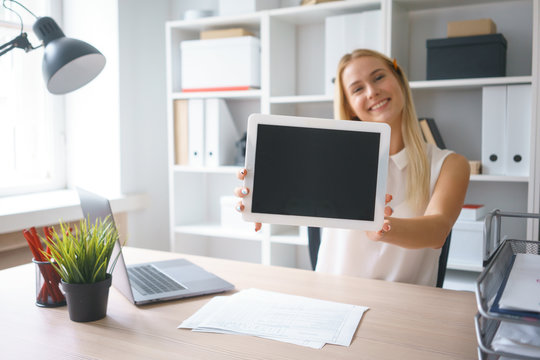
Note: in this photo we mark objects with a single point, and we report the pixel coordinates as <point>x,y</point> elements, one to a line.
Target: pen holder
<point>48,293</point>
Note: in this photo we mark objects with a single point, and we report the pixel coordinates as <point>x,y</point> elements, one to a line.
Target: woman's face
<point>372,90</point>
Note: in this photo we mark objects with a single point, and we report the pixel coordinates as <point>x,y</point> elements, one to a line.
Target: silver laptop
<point>156,281</point>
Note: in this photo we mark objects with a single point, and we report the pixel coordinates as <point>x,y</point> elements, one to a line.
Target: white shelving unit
<point>292,68</point>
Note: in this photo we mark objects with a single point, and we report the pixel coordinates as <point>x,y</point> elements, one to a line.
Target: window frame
<point>54,114</point>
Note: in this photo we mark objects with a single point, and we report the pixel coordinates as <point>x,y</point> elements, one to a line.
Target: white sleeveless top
<point>352,253</point>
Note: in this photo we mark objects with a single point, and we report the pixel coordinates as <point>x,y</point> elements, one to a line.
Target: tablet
<point>316,172</point>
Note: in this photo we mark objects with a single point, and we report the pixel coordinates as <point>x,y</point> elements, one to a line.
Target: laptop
<point>155,281</point>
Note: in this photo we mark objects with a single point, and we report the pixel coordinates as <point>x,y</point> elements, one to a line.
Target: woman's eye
<point>379,77</point>
<point>358,89</point>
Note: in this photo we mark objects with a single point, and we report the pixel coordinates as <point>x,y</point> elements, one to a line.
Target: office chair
<point>314,241</point>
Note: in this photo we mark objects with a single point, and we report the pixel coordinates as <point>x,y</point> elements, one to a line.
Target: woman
<point>426,185</point>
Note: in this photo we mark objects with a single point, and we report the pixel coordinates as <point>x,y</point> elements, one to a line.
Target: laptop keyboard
<point>148,280</point>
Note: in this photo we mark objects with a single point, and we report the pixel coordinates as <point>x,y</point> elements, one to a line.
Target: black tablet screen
<point>315,172</point>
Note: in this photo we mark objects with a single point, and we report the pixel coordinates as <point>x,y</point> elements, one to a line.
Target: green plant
<point>81,254</point>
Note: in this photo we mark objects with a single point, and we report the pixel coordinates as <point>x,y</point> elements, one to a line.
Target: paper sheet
<point>522,290</point>
<point>294,319</point>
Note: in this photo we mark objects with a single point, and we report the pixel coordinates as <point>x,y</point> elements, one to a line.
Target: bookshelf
<point>292,64</point>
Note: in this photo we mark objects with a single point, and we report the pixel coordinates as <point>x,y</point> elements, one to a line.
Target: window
<point>31,121</point>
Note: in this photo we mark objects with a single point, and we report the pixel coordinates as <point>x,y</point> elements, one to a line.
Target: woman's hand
<point>388,211</point>
<point>242,192</point>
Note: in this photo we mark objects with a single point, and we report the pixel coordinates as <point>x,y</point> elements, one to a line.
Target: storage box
<point>236,7</point>
<point>466,245</point>
<point>224,33</point>
<point>220,64</point>
<point>466,57</point>
<point>470,28</point>
<point>230,218</point>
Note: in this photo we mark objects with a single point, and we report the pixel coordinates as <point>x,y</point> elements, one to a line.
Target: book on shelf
<point>181,136</point>
<point>431,132</point>
<point>472,212</point>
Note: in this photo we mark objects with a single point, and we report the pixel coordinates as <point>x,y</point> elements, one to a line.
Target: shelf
<point>215,230</point>
<point>290,239</point>
<point>245,20</point>
<point>247,94</point>
<point>462,266</point>
<point>457,84</point>
<point>414,5</point>
<point>301,15</point>
<point>301,99</point>
<point>499,178</point>
<point>206,169</point>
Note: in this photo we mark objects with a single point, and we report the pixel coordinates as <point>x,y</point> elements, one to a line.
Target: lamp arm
<point>20,41</point>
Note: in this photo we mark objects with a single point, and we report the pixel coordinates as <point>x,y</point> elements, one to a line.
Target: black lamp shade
<point>68,64</point>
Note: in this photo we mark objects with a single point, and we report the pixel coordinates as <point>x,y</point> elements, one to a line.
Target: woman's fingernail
<point>238,208</point>
<point>244,191</point>
<point>243,171</point>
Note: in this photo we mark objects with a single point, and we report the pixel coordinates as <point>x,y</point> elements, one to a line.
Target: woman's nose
<point>371,90</point>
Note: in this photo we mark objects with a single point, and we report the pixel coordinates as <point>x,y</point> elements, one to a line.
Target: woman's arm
<point>441,213</point>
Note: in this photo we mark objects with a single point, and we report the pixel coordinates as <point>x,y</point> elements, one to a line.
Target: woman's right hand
<point>241,192</point>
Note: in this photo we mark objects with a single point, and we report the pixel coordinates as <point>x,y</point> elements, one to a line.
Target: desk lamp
<point>68,64</point>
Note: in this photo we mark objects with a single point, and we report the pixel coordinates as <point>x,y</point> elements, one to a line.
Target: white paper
<point>522,290</point>
<point>294,319</point>
<point>517,339</point>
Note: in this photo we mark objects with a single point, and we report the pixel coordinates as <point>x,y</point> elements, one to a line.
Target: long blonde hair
<point>418,172</point>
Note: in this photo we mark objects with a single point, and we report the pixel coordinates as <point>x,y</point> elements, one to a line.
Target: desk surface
<point>404,321</point>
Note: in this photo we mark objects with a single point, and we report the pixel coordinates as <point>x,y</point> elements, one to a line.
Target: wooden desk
<point>404,321</point>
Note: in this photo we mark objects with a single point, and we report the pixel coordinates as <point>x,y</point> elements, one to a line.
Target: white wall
<point>143,117</point>
<point>92,112</point>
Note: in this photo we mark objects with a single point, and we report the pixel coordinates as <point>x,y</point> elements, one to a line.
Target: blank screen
<point>315,172</point>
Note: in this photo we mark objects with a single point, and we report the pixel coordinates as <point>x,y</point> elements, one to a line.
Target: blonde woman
<point>426,185</point>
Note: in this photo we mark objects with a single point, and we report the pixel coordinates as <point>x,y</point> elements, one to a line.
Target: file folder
<point>196,132</point>
<point>493,129</point>
<point>518,129</point>
<point>221,134</point>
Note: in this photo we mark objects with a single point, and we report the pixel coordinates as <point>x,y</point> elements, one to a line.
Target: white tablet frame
<point>384,146</point>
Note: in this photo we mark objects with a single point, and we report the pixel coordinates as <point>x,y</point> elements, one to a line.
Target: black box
<point>466,57</point>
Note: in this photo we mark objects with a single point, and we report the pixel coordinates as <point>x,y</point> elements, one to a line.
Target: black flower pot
<point>87,302</point>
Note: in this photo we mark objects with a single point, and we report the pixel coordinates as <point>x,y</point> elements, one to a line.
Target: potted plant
<point>81,256</point>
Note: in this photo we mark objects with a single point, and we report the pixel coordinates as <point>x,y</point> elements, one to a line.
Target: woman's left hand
<point>388,211</point>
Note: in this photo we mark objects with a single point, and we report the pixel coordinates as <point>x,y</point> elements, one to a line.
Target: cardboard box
<point>467,244</point>
<point>236,7</point>
<point>471,28</point>
<point>224,33</point>
<point>466,57</point>
<point>220,64</point>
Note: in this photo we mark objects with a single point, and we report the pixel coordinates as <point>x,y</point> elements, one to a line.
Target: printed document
<point>289,318</point>
<point>522,290</point>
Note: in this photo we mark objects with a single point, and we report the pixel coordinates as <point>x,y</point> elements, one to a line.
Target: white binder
<point>493,129</point>
<point>221,134</point>
<point>518,129</point>
<point>196,132</point>
<point>345,33</point>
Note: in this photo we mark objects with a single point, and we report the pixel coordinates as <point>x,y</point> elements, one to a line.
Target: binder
<point>345,33</point>
<point>506,127</point>
<point>493,129</point>
<point>181,136</point>
<point>221,134</point>
<point>518,129</point>
<point>196,132</point>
